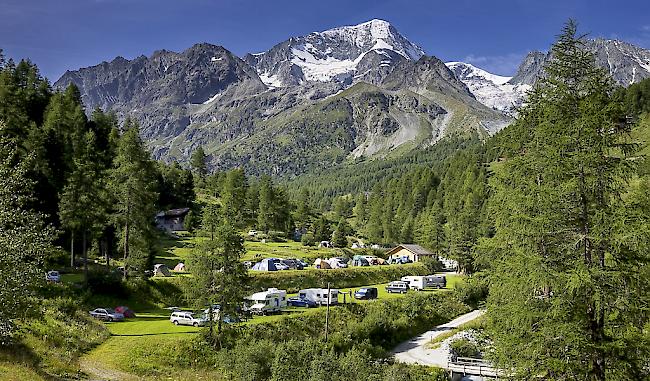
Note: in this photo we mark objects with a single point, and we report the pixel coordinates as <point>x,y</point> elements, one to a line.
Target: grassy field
<point>173,250</point>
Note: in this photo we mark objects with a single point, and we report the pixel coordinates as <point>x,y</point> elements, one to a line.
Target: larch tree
<point>133,188</point>
<point>219,276</point>
<point>25,241</point>
<point>566,301</point>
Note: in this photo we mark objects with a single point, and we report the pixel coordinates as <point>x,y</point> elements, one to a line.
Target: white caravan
<point>265,302</point>
<point>419,282</point>
<point>319,296</point>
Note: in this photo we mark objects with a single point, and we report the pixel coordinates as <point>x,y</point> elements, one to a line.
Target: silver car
<point>106,314</point>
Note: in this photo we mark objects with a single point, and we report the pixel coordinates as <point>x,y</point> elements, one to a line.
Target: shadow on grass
<point>19,353</point>
<point>154,334</point>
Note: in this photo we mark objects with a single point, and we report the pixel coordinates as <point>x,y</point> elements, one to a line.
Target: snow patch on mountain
<point>332,54</point>
<point>492,90</point>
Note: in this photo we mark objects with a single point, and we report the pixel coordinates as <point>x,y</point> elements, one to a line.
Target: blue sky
<point>67,34</point>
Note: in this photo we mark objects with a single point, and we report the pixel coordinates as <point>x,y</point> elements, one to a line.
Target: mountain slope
<point>492,90</point>
<point>335,54</point>
<point>161,90</point>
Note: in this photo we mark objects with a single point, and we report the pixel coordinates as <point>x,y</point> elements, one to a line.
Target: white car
<point>186,318</point>
<point>252,233</point>
<point>53,276</point>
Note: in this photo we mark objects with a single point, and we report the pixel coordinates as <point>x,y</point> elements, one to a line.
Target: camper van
<point>319,295</point>
<point>266,302</point>
<point>420,283</point>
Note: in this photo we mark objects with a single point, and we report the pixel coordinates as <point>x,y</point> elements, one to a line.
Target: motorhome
<point>319,296</point>
<point>420,283</point>
<point>265,302</point>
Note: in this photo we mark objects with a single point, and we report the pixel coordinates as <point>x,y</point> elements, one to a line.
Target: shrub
<point>464,348</point>
<point>308,239</point>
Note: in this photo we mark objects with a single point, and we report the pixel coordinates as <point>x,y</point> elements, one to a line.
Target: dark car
<point>297,301</point>
<point>293,263</point>
<point>366,293</point>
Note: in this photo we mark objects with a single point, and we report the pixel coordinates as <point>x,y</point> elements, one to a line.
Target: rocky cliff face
<point>160,90</point>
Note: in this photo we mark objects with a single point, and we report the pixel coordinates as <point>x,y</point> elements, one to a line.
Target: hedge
<point>294,280</point>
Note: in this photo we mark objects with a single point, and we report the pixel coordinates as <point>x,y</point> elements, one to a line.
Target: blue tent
<point>265,265</point>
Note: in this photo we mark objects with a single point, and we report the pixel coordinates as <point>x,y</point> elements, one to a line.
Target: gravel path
<point>414,351</point>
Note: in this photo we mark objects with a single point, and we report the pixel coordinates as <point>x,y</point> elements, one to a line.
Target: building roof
<point>173,212</point>
<point>415,249</point>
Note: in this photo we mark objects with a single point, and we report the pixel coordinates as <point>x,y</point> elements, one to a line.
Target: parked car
<point>186,318</point>
<point>106,314</point>
<point>297,301</point>
<point>366,293</point>
<point>252,233</point>
<point>53,276</point>
<point>279,264</point>
<point>293,263</point>
<point>397,287</point>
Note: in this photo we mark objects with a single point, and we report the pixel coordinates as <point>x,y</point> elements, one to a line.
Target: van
<point>366,293</point>
<point>319,296</point>
<point>186,318</point>
<point>397,287</point>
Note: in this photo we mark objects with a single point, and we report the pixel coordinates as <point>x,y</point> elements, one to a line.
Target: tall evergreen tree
<point>219,277</point>
<point>133,188</point>
<point>565,301</point>
<point>25,241</point>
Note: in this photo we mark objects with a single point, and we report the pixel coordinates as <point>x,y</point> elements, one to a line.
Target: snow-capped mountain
<point>344,54</point>
<point>492,90</point>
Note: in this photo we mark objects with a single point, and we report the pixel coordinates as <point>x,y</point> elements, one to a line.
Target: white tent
<point>180,267</point>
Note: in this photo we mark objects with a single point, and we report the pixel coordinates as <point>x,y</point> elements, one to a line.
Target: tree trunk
<point>85,256</point>
<point>126,237</point>
<point>72,249</point>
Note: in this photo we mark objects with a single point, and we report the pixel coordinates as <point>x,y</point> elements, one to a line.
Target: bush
<point>308,239</point>
<point>473,291</point>
<point>464,348</point>
<point>434,265</point>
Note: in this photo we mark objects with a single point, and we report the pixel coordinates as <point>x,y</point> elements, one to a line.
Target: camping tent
<point>161,270</point>
<point>126,311</point>
<point>359,260</point>
<point>180,267</point>
<point>265,265</point>
<point>321,264</point>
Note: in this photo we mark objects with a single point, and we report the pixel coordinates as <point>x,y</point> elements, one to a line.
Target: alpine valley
<point>344,94</point>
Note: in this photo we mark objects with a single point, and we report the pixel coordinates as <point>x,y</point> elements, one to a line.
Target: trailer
<point>421,282</point>
<point>319,296</point>
<point>266,302</point>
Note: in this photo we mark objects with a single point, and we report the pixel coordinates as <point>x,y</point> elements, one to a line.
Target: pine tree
<point>266,208</point>
<point>360,211</point>
<point>82,207</point>
<point>339,237</point>
<point>233,196</point>
<point>198,162</point>
<point>219,277</point>
<point>25,241</point>
<point>565,296</point>
<point>132,186</point>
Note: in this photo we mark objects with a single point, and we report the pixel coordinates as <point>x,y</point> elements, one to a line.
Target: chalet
<point>413,252</point>
<point>172,220</point>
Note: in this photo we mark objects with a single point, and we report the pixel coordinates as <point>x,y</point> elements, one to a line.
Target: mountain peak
<point>335,54</point>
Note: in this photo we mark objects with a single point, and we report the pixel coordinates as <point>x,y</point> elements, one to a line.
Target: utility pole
<point>327,313</point>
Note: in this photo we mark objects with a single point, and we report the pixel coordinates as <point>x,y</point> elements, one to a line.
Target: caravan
<point>265,302</point>
<point>420,283</point>
<point>319,296</point>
